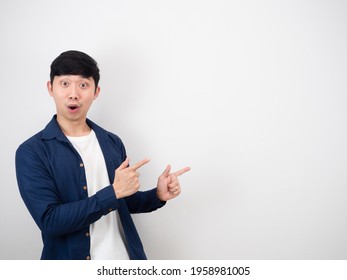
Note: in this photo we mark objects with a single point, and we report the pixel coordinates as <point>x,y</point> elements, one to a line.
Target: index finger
<point>182,171</point>
<point>139,164</point>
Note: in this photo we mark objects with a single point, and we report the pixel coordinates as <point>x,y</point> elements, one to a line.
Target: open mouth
<point>73,107</point>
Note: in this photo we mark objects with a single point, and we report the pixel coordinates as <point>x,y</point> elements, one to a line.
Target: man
<point>75,177</point>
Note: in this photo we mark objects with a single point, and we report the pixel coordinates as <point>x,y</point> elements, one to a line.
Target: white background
<point>250,94</point>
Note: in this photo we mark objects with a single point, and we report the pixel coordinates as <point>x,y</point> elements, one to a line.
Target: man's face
<point>73,95</point>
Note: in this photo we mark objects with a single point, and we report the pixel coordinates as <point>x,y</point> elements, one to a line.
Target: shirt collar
<point>53,130</point>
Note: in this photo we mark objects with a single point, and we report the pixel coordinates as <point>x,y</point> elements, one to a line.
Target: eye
<point>65,83</point>
<point>83,85</point>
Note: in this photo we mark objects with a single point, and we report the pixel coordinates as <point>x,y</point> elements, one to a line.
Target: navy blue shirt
<point>52,182</point>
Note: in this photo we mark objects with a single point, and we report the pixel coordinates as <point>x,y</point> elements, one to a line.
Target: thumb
<point>124,164</point>
<point>167,170</point>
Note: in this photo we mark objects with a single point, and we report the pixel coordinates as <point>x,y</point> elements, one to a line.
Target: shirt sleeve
<point>144,202</point>
<point>53,216</point>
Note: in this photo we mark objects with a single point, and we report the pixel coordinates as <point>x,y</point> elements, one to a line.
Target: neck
<point>74,128</point>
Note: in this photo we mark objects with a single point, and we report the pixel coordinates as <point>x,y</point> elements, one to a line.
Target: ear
<point>50,88</point>
<point>96,93</point>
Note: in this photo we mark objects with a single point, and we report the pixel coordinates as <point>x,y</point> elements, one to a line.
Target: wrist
<point>117,192</point>
<point>158,196</point>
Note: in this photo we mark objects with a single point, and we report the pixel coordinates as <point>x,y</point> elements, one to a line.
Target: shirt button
<point>87,257</point>
<point>109,210</point>
<point>81,164</point>
<point>85,188</point>
<point>87,234</point>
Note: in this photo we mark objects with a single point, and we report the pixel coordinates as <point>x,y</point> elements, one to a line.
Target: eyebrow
<point>62,77</point>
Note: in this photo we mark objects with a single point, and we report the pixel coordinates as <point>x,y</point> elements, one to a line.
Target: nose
<point>73,94</point>
<point>73,97</point>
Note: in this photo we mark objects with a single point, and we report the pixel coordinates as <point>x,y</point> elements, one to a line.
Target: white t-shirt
<point>106,235</point>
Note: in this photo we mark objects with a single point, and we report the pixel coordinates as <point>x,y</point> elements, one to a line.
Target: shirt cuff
<point>107,199</point>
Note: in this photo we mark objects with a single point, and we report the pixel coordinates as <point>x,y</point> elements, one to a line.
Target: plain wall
<point>250,94</point>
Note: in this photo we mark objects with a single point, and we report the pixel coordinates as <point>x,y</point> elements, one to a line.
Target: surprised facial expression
<point>73,95</point>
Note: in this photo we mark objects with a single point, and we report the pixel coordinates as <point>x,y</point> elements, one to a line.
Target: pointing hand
<point>126,181</point>
<point>168,184</point>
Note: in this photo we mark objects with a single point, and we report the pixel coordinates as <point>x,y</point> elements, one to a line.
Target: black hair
<point>75,63</point>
